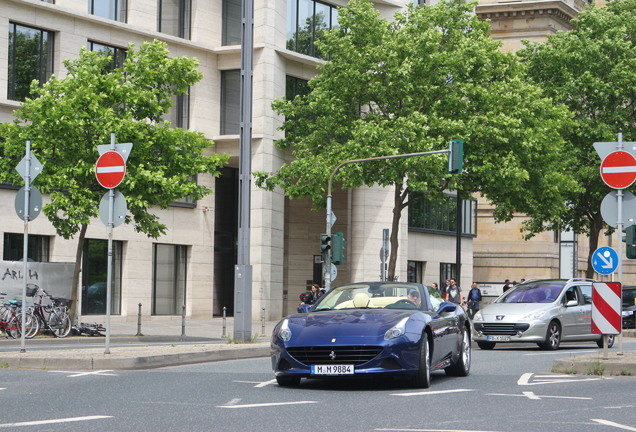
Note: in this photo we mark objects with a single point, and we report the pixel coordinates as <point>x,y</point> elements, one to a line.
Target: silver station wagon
<point>546,312</point>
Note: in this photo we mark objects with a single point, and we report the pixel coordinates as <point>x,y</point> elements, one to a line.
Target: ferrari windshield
<point>539,292</point>
<point>373,295</point>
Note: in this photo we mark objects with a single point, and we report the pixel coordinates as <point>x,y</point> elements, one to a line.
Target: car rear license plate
<point>332,370</point>
<point>498,338</point>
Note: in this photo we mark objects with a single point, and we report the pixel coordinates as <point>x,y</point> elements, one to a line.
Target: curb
<point>594,364</point>
<point>101,362</point>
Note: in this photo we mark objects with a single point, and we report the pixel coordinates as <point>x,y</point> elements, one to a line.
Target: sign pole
<point>619,227</point>
<point>25,255</point>
<point>109,267</point>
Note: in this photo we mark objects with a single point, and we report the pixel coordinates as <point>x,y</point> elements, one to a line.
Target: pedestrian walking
<point>474,298</point>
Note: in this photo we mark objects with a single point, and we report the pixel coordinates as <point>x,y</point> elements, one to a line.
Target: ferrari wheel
<point>423,377</point>
<point>485,345</point>
<point>288,381</point>
<point>462,366</point>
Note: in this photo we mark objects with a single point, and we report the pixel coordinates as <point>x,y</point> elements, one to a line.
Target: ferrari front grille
<point>355,355</point>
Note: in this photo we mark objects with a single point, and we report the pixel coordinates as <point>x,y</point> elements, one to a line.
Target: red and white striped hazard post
<point>606,310</point>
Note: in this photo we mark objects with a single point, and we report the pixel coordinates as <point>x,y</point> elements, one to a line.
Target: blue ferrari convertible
<point>370,329</point>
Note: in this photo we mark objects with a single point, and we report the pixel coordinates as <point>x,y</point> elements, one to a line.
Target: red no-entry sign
<point>110,169</point>
<point>618,169</point>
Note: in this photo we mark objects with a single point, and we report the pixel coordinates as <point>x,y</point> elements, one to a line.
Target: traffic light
<point>337,244</point>
<point>630,241</point>
<point>325,246</point>
<point>456,156</point>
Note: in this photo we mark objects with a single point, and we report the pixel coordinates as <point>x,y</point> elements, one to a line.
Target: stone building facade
<point>193,264</point>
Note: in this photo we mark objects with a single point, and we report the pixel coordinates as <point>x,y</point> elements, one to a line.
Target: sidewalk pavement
<point>166,343</point>
<point>161,342</point>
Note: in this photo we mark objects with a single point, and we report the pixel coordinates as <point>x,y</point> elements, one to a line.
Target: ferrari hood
<point>359,326</point>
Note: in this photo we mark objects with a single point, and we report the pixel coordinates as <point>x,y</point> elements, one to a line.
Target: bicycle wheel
<point>15,326</point>
<point>35,326</point>
<point>63,327</point>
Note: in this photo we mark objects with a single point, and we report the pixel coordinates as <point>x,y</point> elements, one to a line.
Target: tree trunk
<point>76,273</point>
<point>398,206</point>
<point>595,230</point>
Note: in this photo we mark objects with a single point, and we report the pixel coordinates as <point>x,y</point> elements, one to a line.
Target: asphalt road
<point>508,390</point>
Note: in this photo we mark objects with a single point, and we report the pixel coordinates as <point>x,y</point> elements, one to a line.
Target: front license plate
<point>332,370</point>
<point>498,338</point>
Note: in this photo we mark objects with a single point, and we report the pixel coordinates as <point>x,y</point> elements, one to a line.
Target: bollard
<point>139,322</point>
<point>263,321</point>
<point>224,321</point>
<point>183,316</point>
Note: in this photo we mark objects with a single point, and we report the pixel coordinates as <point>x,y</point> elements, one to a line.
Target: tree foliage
<point>410,85</point>
<point>592,70</point>
<point>66,119</point>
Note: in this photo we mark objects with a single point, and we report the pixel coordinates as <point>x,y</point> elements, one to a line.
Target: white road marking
<point>258,405</point>
<point>616,425</point>
<point>434,430</point>
<point>265,383</point>
<point>424,393</point>
<point>259,384</point>
<point>52,421</point>
<point>524,380</point>
<point>233,401</point>
<point>556,353</point>
<point>77,374</point>
<point>531,395</point>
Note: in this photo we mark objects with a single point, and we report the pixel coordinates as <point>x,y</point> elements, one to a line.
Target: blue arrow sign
<point>605,260</point>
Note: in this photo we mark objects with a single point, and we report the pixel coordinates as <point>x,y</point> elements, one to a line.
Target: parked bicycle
<point>11,318</point>
<point>53,317</point>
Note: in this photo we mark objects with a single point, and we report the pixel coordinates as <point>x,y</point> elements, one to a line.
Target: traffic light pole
<point>327,264</point>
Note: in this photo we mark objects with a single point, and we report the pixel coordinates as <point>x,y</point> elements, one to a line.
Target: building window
<point>111,9</point>
<point>230,102</point>
<point>37,249</point>
<point>307,20</point>
<point>30,58</point>
<point>95,277</point>
<point>414,271</point>
<point>174,17</point>
<point>441,216</point>
<point>179,113</point>
<point>232,22</point>
<point>169,278</point>
<point>446,271</point>
<point>296,87</point>
<point>118,55</point>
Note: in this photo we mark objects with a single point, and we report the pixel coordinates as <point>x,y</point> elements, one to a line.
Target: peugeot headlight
<point>284,332</point>
<point>397,330</point>
<point>627,313</point>
<point>478,316</point>
<point>534,316</point>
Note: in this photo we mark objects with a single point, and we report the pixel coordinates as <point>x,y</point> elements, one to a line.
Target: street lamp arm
<point>333,174</point>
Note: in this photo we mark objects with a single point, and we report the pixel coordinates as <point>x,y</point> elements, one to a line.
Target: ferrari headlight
<point>478,316</point>
<point>397,330</point>
<point>285,333</point>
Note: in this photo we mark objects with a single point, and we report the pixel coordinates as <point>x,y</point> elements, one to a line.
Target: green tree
<point>592,70</point>
<point>410,85</point>
<point>66,119</point>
